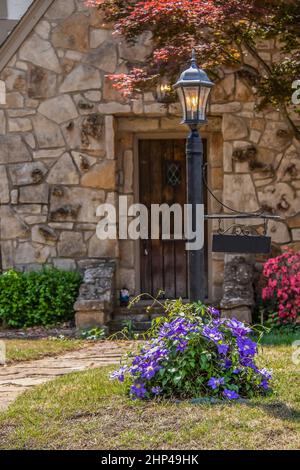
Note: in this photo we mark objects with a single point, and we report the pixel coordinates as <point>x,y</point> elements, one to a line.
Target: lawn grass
<point>87,411</point>
<point>18,350</point>
<point>277,338</point>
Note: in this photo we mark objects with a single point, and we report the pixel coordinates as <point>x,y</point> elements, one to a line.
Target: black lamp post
<point>193,88</point>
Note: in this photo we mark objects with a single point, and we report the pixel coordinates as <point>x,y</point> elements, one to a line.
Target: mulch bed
<point>66,330</point>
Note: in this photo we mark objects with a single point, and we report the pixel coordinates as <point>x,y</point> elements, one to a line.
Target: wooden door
<point>162,179</point>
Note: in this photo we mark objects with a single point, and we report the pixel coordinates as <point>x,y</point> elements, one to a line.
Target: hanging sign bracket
<point>239,237</point>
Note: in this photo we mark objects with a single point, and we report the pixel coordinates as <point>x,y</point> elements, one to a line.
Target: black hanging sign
<point>241,243</point>
<point>241,238</point>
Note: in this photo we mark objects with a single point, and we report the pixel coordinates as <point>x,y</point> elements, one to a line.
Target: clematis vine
<point>192,355</point>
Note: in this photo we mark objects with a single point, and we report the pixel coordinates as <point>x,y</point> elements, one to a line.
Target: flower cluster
<point>283,285</point>
<point>177,331</point>
<point>196,355</point>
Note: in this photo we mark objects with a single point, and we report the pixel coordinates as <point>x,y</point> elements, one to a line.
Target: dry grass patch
<point>18,350</point>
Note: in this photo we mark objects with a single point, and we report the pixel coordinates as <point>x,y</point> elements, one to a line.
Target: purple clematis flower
<point>181,346</point>
<point>218,321</point>
<point>214,312</point>
<point>148,371</point>
<point>266,377</point>
<point>119,374</point>
<point>223,349</point>
<point>214,382</point>
<point>212,333</point>
<point>138,390</point>
<point>238,328</point>
<point>264,384</point>
<point>248,362</point>
<point>230,394</point>
<point>176,328</point>
<point>246,347</point>
<point>156,390</point>
<point>267,374</point>
<point>227,363</point>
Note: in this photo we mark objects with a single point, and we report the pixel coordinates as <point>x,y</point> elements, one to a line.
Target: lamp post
<point>193,88</point>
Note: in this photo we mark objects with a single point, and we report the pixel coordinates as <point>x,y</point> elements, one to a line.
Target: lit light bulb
<point>192,105</point>
<point>163,92</point>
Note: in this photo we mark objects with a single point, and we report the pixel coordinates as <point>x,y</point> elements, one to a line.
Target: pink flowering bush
<point>283,286</point>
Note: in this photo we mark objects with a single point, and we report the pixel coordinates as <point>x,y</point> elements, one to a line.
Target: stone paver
<point>17,378</point>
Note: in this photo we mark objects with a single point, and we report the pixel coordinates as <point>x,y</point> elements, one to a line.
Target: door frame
<point>136,188</point>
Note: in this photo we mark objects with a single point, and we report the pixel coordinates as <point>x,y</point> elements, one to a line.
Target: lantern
<point>165,92</point>
<point>193,88</point>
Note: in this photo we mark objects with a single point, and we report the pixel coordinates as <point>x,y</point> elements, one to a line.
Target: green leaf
<point>177,379</point>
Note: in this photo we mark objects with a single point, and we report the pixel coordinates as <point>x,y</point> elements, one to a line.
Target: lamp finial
<point>194,60</point>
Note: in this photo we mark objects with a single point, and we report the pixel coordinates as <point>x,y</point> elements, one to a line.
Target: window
<point>173,173</point>
<point>14,9</point>
<point>11,11</point>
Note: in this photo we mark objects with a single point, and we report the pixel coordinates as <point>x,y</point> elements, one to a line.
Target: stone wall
<point>67,145</point>
<point>57,160</point>
<point>261,159</point>
<point>261,163</point>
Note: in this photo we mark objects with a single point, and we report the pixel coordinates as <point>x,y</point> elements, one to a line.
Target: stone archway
<point>128,130</point>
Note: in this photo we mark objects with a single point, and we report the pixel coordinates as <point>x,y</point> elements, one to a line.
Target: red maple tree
<point>222,32</point>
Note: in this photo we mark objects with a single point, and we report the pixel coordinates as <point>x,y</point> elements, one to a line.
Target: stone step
<point>138,313</point>
<point>137,326</point>
<point>141,316</point>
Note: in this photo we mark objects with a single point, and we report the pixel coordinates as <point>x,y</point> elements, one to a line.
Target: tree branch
<point>256,55</point>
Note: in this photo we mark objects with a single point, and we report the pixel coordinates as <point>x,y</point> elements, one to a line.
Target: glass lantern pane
<point>204,94</point>
<point>192,102</point>
<point>182,101</point>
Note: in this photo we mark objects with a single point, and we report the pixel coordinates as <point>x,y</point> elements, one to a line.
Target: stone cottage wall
<point>261,158</point>
<point>67,145</point>
<point>57,160</point>
<point>261,163</point>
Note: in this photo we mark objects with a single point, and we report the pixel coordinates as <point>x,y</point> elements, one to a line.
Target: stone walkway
<point>17,378</point>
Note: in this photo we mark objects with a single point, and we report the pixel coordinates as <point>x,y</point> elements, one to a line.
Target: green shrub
<point>37,298</point>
